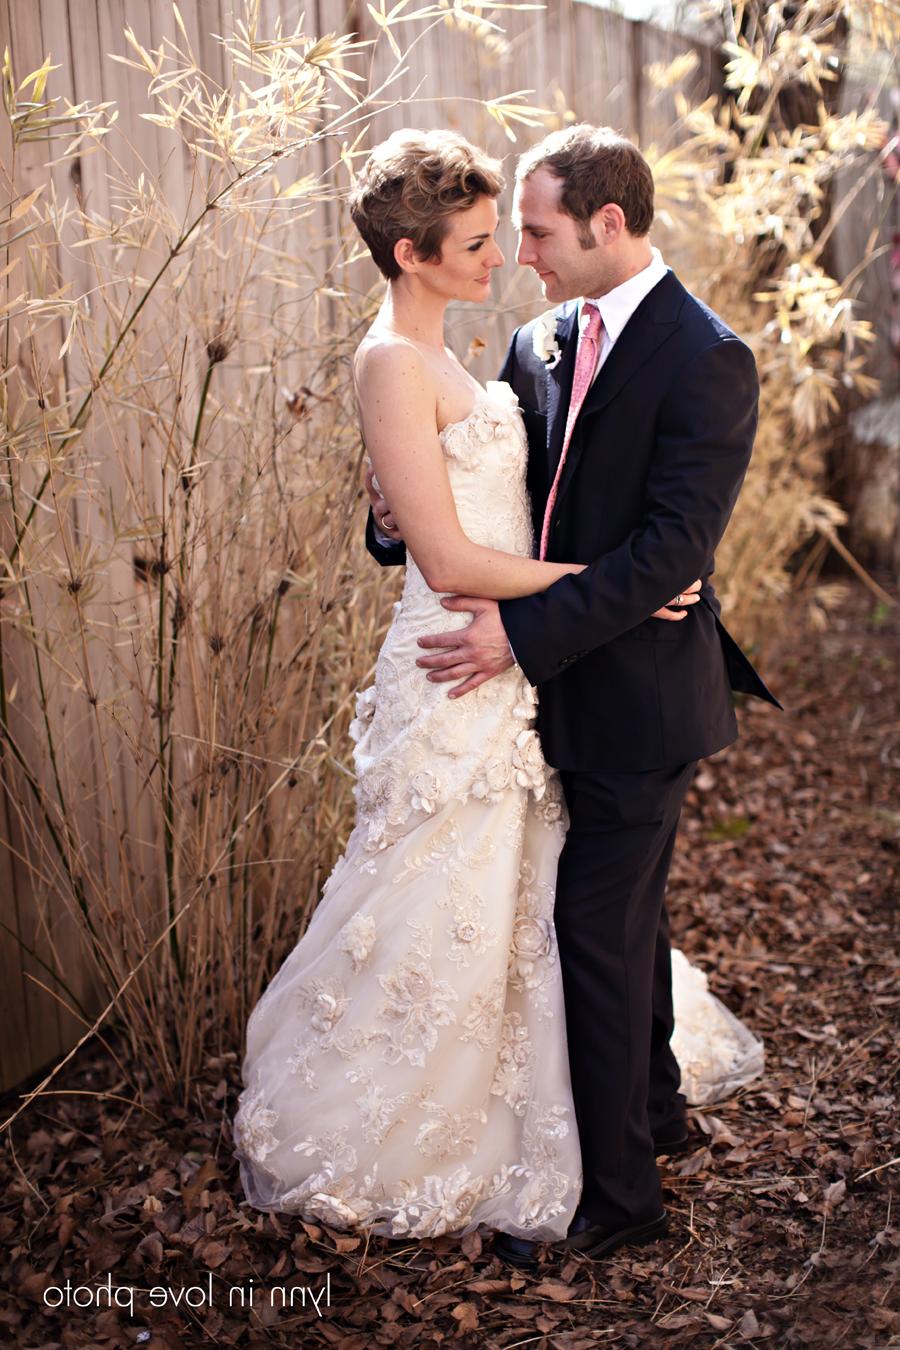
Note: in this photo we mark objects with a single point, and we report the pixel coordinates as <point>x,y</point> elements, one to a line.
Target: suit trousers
<point>613,934</point>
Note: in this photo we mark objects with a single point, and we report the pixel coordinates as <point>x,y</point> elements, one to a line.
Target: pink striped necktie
<point>585,365</point>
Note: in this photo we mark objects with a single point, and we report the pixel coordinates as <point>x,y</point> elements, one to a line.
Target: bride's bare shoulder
<point>383,358</point>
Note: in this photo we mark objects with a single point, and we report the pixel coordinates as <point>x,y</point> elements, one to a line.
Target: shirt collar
<point>618,305</point>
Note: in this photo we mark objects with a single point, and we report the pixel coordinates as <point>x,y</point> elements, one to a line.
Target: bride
<point>406,1070</point>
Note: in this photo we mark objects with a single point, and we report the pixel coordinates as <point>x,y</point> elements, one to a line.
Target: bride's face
<point>469,253</point>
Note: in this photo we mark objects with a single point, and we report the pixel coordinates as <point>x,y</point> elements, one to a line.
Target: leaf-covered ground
<point>782,1229</point>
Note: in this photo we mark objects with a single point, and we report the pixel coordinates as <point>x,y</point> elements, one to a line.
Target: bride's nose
<point>498,259</point>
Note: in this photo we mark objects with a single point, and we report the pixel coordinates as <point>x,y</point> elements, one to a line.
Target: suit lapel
<point>651,324</point>
<point>559,385</point>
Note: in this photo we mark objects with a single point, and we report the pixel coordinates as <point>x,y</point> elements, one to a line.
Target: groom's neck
<point>631,260</point>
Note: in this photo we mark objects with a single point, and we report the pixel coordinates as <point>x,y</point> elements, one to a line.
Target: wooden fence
<point>572,55</point>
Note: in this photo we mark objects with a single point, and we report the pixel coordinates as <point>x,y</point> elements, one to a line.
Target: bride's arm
<point>397,402</point>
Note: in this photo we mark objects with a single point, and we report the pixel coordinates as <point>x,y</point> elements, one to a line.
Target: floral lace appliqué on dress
<point>406,1069</point>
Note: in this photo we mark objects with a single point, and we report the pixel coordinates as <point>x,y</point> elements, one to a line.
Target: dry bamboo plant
<point>744,194</point>
<point>186,613</point>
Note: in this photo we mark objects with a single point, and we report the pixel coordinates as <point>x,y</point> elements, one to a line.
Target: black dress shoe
<point>516,1251</point>
<point>596,1240</point>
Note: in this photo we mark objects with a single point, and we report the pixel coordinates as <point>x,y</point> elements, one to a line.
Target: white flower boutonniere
<point>543,340</point>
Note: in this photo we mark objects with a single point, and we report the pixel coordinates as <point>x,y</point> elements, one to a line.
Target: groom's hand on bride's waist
<point>472,654</point>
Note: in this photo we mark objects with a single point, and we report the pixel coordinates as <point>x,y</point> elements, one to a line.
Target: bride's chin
<point>477,291</point>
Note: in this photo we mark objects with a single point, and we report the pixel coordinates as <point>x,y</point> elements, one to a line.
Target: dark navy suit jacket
<point>656,460</point>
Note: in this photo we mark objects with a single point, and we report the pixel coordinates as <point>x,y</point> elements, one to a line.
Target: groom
<point>640,406</point>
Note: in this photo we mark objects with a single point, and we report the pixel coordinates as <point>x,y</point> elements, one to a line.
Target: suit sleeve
<point>705,432</point>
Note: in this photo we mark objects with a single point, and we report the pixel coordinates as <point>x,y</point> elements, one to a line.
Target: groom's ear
<point>608,223</point>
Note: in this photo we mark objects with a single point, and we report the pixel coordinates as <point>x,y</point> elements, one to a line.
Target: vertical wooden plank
<point>41,1014</point>
<point>63,935</point>
<point>129,143</point>
<point>16,1054</point>
<point>207,54</point>
<point>875,207</point>
<point>659,116</point>
<point>208,19</point>
<point>15,1051</point>
<point>5,130</point>
<point>107,441</point>
<point>105,444</point>
<point>121,85</point>
<point>177,190</point>
<point>636,82</point>
<point>129,436</point>
<point>174,164</point>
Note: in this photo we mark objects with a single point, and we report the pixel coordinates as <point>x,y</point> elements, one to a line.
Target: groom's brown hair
<point>596,166</point>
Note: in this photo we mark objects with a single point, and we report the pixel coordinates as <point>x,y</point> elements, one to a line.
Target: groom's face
<point>549,241</point>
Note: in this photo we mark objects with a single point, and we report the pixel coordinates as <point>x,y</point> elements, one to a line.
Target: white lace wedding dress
<point>406,1069</point>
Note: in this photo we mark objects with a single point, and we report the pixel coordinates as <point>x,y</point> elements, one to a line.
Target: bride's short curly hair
<point>411,185</point>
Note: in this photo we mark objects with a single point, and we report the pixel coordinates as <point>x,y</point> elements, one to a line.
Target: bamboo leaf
<point>69,334</point>
<point>38,80</point>
<point>180,21</point>
<point>26,203</point>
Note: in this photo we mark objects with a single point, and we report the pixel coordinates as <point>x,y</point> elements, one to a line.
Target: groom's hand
<point>472,654</point>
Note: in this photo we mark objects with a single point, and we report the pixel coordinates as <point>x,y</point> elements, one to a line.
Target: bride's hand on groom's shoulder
<point>472,654</point>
